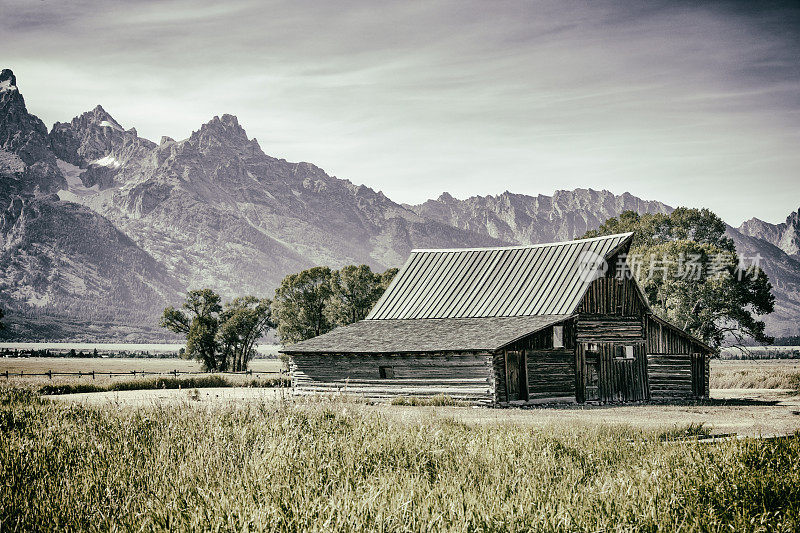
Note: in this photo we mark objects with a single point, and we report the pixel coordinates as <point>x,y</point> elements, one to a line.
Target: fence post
<point>175,373</point>
<point>50,373</point>
<point>92,375</point>
<point>6,374</point>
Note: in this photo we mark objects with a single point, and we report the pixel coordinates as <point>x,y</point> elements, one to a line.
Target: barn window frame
<point>624,353</point>
<point>386,372</point>
<point>558,336</point>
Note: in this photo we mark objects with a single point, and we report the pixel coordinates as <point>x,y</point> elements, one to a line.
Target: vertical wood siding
<point>612,315</point>
<point>612,296</point>
<point>550,371</point>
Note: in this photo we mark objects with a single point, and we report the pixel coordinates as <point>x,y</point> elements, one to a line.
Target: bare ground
<point>747,412</point>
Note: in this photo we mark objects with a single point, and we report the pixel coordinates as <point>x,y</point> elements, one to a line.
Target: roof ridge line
<point>520,246</point>
<point>461,318</point>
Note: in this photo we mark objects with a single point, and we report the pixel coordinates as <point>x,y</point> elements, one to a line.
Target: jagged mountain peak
<point>97,117</point>
<point>785,235</point>
<point>27,158</point>
<point>7,80</point>
<point>224,132</point>
<point>227,124</point>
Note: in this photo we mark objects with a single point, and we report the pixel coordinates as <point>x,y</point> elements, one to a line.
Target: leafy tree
<point>242,322</point>
<point>387,277</point>
<point>299,305</point>
<point>199,321</point>
<point>314,301</point>
<point>692,276</point>
<point>354,290</point>
<point>2,314</point>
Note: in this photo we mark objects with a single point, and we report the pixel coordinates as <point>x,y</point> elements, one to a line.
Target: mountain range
<point>102,226</point>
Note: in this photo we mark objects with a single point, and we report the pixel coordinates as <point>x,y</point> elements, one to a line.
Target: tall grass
<point>162,383</point>
<point>339,466</point>
<point>754,376</point>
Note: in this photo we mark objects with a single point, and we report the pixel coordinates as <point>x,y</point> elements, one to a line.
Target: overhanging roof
<point>543,279</point>
<point>426,335</point>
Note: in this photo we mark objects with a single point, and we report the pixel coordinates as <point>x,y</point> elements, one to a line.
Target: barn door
<point>592,373</point>
<point>516,377</point>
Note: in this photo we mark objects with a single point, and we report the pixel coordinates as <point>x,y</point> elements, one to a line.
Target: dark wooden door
<point>516,377</point>
<point>592,376</point>
<point>699,375</point>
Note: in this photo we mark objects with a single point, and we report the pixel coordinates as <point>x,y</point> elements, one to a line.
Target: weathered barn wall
<point>612,296</point>
<point>604,376</point>
<point>677,366</point>
<point>611,317</point>
<point>463,376</point>
<point>550,372</point>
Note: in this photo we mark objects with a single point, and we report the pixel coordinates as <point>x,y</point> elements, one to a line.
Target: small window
<point>558,336</point>
<point>386,372</point>
<point>624,352</point>
<point>592,347</point>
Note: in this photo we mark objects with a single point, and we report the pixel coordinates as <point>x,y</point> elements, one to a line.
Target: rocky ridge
<point>214,210</point>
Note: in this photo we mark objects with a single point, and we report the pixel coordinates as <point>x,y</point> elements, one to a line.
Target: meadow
<point>755,374</point>
<point>725,374</point>
<point>338,465</point>
<point>121,373</point>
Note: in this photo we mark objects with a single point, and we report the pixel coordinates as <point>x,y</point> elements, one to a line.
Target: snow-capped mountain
<point>106,225</point>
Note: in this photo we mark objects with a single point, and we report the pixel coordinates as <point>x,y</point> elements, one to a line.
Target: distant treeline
<point>8,352</point>
<point>787,341</point>
<point>761,352</point>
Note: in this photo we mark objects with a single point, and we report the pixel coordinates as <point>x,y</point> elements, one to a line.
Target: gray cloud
<point>690,104</point>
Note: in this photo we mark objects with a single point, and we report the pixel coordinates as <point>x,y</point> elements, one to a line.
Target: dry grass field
<point>261,369</point>
<point>259,459</point>
<point>725,374</point>
<point>755,374</point>
<point>338,465</point>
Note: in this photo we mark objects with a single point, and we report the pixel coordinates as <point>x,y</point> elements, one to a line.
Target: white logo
<point>591,266</point>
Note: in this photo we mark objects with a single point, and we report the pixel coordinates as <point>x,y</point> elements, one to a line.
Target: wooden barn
<point>507,326</point>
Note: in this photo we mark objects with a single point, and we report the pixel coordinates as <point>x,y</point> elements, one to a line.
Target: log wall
<point>463,376</point>
<point>678,367</point>
<point>621,329</point>
<point>550,371</point>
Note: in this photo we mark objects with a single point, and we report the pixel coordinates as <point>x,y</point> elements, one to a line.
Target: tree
<point>199,321</point>
<point>314,301</point>
<point>243,321</point>
<point>354,290</point>
<point>692,276</point>
<point>387,277</point>
<point>2,314</point>
<point>299,305</point>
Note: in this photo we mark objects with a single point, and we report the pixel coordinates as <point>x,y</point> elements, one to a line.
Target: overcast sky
<point>689,103</point>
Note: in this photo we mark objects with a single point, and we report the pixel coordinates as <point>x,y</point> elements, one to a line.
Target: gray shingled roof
<point>543,279</point>
<point>431,335</point>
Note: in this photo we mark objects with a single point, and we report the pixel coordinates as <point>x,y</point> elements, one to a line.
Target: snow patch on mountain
<point>107,161</point>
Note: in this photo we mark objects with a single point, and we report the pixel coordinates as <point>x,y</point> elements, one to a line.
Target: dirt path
<point>137,398</point>
<point>749,412</point>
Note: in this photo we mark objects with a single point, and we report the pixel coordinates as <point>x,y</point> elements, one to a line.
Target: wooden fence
<point>135,373</point>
